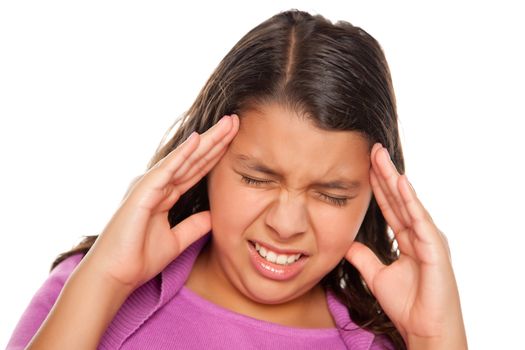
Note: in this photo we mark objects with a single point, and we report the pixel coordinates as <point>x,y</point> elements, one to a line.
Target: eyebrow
<point>256,165</point>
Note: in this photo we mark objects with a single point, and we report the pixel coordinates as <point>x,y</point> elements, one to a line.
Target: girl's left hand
<point>418,292</point>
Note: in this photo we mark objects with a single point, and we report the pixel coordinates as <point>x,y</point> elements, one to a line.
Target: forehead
<point>293,145</point>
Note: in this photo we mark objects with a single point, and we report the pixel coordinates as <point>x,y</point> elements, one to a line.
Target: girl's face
<point>286,200</point>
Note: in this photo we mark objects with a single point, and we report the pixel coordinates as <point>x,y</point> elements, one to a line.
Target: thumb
<point>365,261</point>
<point>191,229</point>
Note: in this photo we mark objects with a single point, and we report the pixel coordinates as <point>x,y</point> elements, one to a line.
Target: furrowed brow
<point>256,165</point>
<point>338,185</point>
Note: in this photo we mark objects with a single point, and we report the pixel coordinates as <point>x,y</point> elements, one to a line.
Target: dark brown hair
<point>334,74</point>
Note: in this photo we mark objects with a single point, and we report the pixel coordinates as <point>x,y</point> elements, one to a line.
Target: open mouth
<point>276,264</point>
<point>276,257</point>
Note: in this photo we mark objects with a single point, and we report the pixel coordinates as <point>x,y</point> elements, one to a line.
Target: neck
<point>208,280</point>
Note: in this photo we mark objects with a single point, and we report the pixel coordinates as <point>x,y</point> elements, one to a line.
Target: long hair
<point>336,75</point>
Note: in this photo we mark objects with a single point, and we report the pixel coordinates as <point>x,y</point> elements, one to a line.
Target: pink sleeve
<point>41,304</point>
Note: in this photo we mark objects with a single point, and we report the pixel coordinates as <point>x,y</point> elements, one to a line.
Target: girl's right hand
<point>138,242</point>
<point>136,245</point>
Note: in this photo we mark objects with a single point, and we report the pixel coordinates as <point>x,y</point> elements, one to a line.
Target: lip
<point>275,271</point>
<point>278,250</point>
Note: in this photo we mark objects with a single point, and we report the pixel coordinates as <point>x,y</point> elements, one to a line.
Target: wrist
<point>449,342</point>
<point>114,291</point>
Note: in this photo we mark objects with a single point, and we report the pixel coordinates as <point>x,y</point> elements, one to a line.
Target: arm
<point>136,245</point>
<point>83,310</point>
<point>418,291</point>
<point>41,303</point>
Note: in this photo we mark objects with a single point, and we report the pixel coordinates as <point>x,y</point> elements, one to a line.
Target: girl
<point>263,222</point>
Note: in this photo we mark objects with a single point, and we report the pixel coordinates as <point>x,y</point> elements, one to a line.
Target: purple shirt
<point>163,314</point>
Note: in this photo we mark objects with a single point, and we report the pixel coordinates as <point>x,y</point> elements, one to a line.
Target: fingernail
<point>224,119</point>
<point>375,146</point>
<point>192,135</point>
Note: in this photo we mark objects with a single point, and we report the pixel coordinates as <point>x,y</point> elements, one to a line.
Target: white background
<point>87,90</point>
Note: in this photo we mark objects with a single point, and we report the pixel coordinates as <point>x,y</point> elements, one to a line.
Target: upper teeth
<point>281,259</point>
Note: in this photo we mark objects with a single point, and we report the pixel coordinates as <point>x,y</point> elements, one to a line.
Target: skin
<point>288,210</point>
<point>425,307</point>
<point>138,243</point>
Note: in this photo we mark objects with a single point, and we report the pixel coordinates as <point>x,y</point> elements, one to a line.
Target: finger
<point>161,170</point>
<point>202,161</point>
<point>180,155</point>
<point>211,143</point>
<point>365,261</point>
<point>389,214</point>
<point>199,170</point>
<point>405,243</point>
<point>388,179</point>
<point>388,201</point>
<point>422,224</point>
<point>401,235</point>
<point>158,176</point>
<point>191,229</point>
<point>445,243</point>
<point>189,183</point>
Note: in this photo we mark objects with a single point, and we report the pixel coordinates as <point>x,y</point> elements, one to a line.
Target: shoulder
<point>50,289</point>
<point>66,267</point>
<point>42,302</point>
<point>58,277</point>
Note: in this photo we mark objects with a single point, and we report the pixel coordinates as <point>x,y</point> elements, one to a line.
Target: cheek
<point>337,228</point>
<point>233,206</point>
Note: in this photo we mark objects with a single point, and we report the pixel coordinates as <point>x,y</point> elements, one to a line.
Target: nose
<point>287,215</point>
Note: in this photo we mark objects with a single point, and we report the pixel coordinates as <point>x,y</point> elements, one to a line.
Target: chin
<point>275,292</point>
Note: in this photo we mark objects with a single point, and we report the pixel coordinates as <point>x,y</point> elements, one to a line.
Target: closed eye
<point>338,201</point>
<point>254,182</point>
<point>334,200</point>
